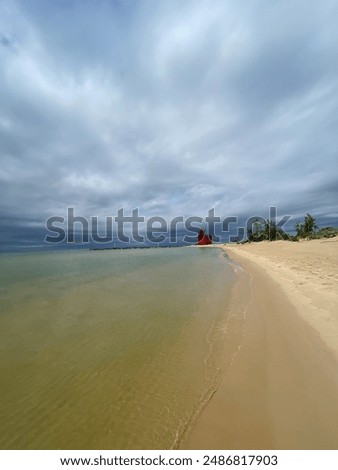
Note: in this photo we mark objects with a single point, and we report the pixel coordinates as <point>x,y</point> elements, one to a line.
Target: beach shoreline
<point>307,273</point>
<point>281,390</point>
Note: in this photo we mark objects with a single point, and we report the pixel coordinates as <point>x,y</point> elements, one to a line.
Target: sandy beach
<point>281,389</point>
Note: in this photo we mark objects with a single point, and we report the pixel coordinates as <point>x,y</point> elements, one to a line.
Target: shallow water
<point>109,349</point>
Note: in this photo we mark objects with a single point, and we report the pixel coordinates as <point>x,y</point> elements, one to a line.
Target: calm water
<point>109,349</point>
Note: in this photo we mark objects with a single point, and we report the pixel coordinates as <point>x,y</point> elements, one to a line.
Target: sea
<point>110,349</point>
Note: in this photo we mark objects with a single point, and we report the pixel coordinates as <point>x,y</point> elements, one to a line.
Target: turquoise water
<point>109,349</point>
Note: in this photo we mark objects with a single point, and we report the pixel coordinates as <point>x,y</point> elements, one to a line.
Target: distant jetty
<point>135,247</point>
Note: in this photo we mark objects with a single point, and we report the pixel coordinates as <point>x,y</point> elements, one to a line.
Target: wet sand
<point>281,389</point>
<point>307,272</point>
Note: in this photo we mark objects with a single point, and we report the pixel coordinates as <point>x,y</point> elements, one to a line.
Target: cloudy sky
<point>169,106</point>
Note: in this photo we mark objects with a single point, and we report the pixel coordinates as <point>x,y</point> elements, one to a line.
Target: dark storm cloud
<point>174,107</point>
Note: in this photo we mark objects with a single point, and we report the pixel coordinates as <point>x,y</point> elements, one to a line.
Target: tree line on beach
<point>306,230</point>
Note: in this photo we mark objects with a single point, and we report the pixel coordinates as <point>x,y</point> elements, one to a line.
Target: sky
<point>167,106</point>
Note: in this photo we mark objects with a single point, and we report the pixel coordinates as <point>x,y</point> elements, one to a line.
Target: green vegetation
<point>309,229</point>
<point>306,230</point>
<point>267,231</point>
<point>325,232</point>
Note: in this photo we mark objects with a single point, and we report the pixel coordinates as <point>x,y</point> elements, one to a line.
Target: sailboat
<point>203,238</point>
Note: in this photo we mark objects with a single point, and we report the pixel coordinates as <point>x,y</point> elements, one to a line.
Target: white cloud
<point>169,106</point>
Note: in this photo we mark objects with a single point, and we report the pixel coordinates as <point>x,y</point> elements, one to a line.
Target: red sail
<point>203,238</point>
